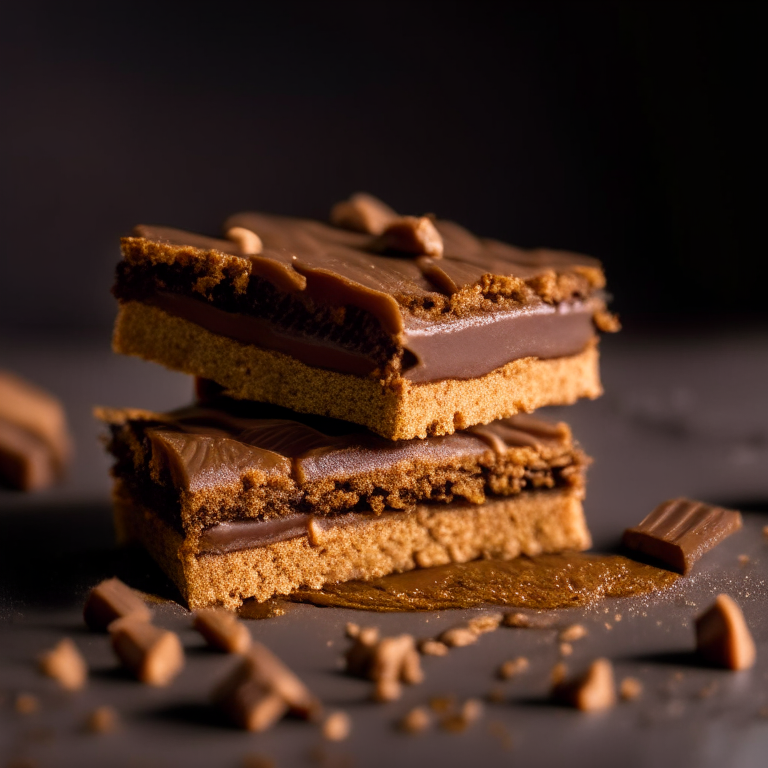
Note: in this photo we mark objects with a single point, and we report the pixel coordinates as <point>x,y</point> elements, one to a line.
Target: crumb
<point>763,711</point>
<point>765,531</point>
<point>496,695</point>
<point>513,667</point>
<point>470,712</point>
<point>433,648</point>
<point>416,721</point>
<point>608,626</point>
<point>352,630</point>
<point>678,676</point>
<point>743,559</point>
<point>26,704</point>
<point>558,673</point>
<point>708,690</point>
<point>593,691</point>
<point>617,617</point>
<point>630,688</point>
<point>528,621</point>
<point>458,637</point>
<point>573,633</point>
<point>65,664</point>
<point>499,731</point>
<point>442,704</point>
<point>102,720</point>
<point>566,649</point>
<point>337,726</point>
<point>486,623</point>
<point>222,630</point>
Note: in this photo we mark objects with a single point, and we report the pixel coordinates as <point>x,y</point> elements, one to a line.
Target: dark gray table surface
<point>682,415</point>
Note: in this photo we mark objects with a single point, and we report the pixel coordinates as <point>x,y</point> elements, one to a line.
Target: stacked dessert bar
<point>361,396</point>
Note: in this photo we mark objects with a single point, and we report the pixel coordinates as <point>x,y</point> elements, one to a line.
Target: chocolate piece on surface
<point>365,325</point>
<point>35,446</point>
<point>722,636</point>
<point>260,690</point>
<point>111,600</point>
<point>593,691</point>
<point>153,655</point>
<point>222,630</point>
<point>65,664</point>
<point>337,726</point>
<point>678,532</point>
<point>235,475</point>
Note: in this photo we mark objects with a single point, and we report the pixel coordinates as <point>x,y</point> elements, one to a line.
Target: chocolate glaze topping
<point>455,305</point>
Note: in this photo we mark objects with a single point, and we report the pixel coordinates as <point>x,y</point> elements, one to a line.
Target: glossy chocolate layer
<point>462,348</point>
<point>449,304</point>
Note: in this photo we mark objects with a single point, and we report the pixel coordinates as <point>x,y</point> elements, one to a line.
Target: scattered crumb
<point>433,648</point>
<point>26,704</point>
<point>630,688</point>
<point>488,622</point>
<point>573,633</point>
<point>513,667</point>
<point>458,637</point>
<point>416,721</point>
<point>743,559</point>
<point>558,673</point>
<point>765,531</point>
<point>442,704</point>
<point>65,664</point>
<point>608,626</point>
<point>337,726</point>
<point>496,695</point>
<point>352,630</point>
<point>499,731</point>
<point>617,617</point>
<point>102,720</point>
<point>708,690</point>
<point>527,620</point>
<point>566,649</point>
<point>591,692</point>
<point>678,676</point>
<point>471,711</point>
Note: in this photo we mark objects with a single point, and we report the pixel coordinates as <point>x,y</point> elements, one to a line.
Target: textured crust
<point>530,523</point>
<point>399,411</point>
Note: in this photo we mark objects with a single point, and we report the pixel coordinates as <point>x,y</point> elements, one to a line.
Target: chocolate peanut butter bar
<point>249,500</point>
<point>35,445</point>
<point>407,325</point>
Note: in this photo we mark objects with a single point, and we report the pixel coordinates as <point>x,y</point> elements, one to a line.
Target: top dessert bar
<point>407,325</point>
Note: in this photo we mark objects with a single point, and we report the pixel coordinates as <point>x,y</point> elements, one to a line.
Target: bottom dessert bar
<point>261,559</point>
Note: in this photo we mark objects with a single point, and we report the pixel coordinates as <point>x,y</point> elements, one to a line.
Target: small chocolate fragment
<point>458,637</point>
<point>592,692</point>
<point>679,531</point>
<point>722,636</point>
<point>572,633</point>
<point>362,213</point>
<point>102,720</point>
<point>65,664</point>
<point>222,630</point>
<point>513,667</point>
<point>488,622</point>
<point>433,648</point>
<point>337,726</point>
<point>261,690</point>
<point>415,235</point>
<point>416,721</point>
<point>387,661</point>
<point>153,655</point>
<point>111,600</point>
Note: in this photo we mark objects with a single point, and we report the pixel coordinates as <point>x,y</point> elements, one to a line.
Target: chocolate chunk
<point>413,235</point>
<point>153,655</point>
<point>261,690</point>
<point>111,600</point>
<point>65,664</point>
<point>679,531</point>
<point>35,446</point>
<point>595,690</point>
<point>722,636</point>
<point>363,213</point>
<point>222,630</point>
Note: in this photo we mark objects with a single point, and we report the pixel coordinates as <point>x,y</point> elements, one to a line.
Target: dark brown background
<point>627,130</point>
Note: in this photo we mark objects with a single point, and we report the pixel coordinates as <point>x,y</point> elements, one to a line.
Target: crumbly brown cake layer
<point>228,461</point>
<point>361,547</point>
<point>396,410</point>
